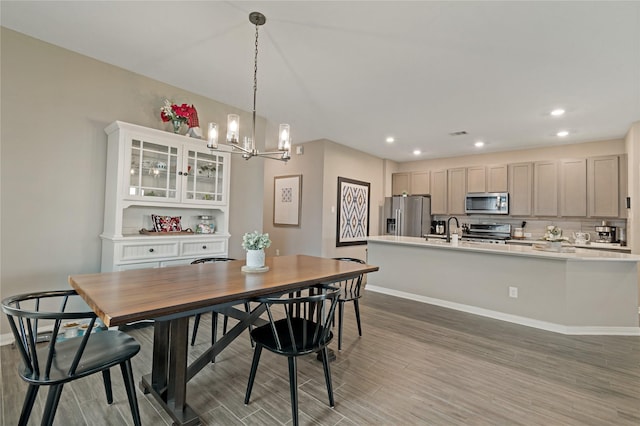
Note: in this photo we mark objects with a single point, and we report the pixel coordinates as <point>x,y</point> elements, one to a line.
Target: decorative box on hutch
<point>153,172</point>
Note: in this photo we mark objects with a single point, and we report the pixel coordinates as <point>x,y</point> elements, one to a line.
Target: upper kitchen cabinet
<point>438,192</point>
<point>623,186</point>
<point>456,190</point>
<point>420,184</point>
<point>573,188</point>
<point>497,178</point>
<point>410,183</point>
<point>477,179</point>
<point>520,189</point>
<point>603,184</point>
<point>400,183</point>
<point>487,178</point>
<point>545,188</point>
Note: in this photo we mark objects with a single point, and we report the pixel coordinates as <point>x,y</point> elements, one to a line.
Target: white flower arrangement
<point>554,234</point>
<point>255,241</point>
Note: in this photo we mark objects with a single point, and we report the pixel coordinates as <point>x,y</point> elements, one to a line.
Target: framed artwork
<point>353,212</point>
<point>287,200</point>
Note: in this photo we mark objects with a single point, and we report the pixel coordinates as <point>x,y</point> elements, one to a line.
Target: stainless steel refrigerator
<point>407,216</point>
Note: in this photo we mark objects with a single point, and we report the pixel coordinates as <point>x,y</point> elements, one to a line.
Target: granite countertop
<point>524,249</point>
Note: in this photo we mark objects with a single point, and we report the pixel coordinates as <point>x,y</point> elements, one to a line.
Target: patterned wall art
<point>353,212</point>
<point>287,200</point>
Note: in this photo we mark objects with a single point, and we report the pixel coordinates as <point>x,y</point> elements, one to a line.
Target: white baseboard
<point>529,322</point>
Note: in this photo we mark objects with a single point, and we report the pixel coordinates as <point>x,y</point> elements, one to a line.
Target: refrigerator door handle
<point>398,222</point>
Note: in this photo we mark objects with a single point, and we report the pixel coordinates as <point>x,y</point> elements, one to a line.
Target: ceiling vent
<point>460,133</point>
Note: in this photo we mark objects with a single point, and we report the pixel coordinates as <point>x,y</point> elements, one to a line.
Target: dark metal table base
<point>170,372</point>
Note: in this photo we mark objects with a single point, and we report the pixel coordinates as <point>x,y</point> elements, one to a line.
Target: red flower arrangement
<point>183,113</point>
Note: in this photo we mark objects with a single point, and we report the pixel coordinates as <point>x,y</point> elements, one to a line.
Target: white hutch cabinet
<point>150,171</point>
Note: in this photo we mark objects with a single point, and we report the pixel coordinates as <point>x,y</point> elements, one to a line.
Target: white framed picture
<point>287,200</point>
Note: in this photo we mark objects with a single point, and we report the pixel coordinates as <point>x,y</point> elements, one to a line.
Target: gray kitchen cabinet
<point>545,188</point>
<point>400,183</point>
<point>438,192</point>
<point>477,179</point>
<point>623,183</point>
<point>456,190</point>
<point>573,187</point>
<point>419,183</point>
<point>604,186</point>
<point>497,178</point>
<point>520,189</point>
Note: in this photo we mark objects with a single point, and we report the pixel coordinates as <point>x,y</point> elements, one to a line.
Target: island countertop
<point>509,249</point>
<point>582,292</point>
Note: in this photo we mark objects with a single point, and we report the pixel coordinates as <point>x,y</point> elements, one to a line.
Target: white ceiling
<point>356,72</point>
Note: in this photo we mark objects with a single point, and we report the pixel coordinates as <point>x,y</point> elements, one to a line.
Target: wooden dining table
<point>169,296</point>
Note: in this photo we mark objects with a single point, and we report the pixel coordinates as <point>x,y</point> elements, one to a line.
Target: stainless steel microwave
<point>487,203</point>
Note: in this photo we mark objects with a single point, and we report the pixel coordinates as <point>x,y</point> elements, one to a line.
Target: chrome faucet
<point>449,227</point>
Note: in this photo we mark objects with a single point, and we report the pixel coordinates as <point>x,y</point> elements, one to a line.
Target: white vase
<point>255,258</point>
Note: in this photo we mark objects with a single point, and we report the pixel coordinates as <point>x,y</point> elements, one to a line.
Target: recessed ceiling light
<point>479,144</point>
<point>562,133</point>
<point>390,139</point>
<point>417,152</point>
<point>557,112</point>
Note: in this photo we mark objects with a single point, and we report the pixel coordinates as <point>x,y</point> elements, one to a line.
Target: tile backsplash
<point>537,227</point>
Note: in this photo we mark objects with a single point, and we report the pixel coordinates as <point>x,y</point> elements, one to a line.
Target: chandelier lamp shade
<point>247,148</point>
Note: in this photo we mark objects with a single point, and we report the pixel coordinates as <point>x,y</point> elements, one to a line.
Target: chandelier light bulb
<point>212,136</point>
<point>284,141</point>
<point>233,124</point>
<point>557,112</point>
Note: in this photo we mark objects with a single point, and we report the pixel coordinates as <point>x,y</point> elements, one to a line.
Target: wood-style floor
<point>415,364</point>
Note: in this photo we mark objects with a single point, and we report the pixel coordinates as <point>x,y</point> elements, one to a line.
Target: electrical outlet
<point>513,292</point>
<point>527,234</point>
<point>277,252</point>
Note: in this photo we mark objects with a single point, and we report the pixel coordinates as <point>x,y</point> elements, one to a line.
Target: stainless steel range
<point>490,233</point>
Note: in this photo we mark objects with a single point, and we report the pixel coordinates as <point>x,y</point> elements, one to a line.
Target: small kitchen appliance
<point>487,203</point>
<point>606,234</point>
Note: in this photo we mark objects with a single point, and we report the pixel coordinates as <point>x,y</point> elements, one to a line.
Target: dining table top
<point>141,294</point>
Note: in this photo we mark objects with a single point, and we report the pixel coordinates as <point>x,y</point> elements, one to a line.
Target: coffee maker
<point>438,227</point>
<point>606,234</point>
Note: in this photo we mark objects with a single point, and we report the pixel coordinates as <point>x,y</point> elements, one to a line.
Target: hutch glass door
<point>205,177</point>
<point>153,170</point>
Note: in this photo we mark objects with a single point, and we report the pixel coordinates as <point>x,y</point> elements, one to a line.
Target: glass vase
<point>177,125</point>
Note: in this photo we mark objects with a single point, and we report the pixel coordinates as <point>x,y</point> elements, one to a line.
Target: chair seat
<point>264,336</point>
<point>104,349</point>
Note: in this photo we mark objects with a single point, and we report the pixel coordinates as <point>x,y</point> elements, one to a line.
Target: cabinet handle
<point>204,247</point>
<point>180,173</point>
<point>151,250</point>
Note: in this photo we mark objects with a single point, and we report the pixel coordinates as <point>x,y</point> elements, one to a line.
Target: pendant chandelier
<point>248,149</point>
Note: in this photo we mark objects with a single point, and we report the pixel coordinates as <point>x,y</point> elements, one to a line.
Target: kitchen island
<point>581,292</point>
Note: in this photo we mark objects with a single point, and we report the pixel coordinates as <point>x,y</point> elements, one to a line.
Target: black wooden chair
<point>303,327</point>
<point>214,319</point>
<point>64,357</point>
<point>350,291</point>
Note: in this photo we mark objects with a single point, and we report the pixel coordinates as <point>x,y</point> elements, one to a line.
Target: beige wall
<point>320,165</point>
<point>55,106</point>
<point>303,239</point>
<point>633,156</point>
